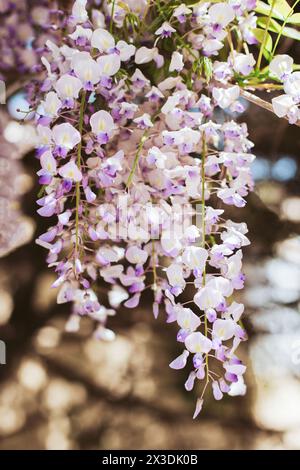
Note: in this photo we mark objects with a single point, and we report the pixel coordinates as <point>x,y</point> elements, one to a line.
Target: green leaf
<point>275,27</point>
<point>281,8</point>
<point>207,67</point>
<point>294,19</point>
<point>260,34</point>
<point>265,9</point>
<point>291,33</point>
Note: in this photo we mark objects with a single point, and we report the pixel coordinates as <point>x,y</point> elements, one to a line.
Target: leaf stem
<point>112,16</point>
<point>262,46</point>
<point>282,28</point>
<point>203,155</point>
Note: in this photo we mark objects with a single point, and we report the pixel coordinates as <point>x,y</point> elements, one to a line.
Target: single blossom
<point>70,171</point>
<point>51,105</point>
<point>165,30</point>
<point>225,97</point>
<point>109,65</point>
<point>86,69</point>
<point>79,12</point>
<point>221,14</point>
<point>176,63</point>
<point>102,40</point>
<point>68,87</point>
<point>281,66</point>
<point>102,125</point>
<point>198,343</point>
<point>65,136</point>
<point>181,13</point>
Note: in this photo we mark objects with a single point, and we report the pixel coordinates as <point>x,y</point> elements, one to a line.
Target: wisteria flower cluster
<point>140,154</point>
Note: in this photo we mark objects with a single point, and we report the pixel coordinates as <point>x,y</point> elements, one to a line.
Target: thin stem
<point>136,158</point>
<point>112,16</point>
<point>267,86</point>
<point>204,150</point>
<point>144,138</point>
<point>282,28</point>
<point>261,103</point>
<point>154,285</point>
<point>79,149</point>
<point>230,45</point>
<point>262,46</point>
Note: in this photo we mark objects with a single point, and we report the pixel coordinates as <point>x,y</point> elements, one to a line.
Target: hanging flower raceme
<point>137,172</point>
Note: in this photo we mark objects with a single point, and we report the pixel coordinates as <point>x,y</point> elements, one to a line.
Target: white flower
<point>180,361</point>
<point>185,135</point>
<point>243,63</point>
<point>44,135</point>
<point>282,104</point>
<point>51,105</point>
<point>238,388</point>
<point>165,30</point>
<point>195,257</point>
<point>68,86</point>
<point>221,14</point>
<point>176,62</point>
<point>139,80</point>
<point>136,255</point>
<point>208,297</point>
<point>86,68</point>
<point>98,19</point>
<point>211,46</point>
<point>48,162</point>
<point>281,66</point>
<point>102,40</point>
<point>226,96</point>
<point>70,171</point>
<point>102,123</point>
<point>65,135</point>
<point>233,266</point>
<point>198,343</point>
<point>110,272</point>
<point>291,85</point>
<point>156,156</point>
<point>143,121</point>
<point>170,104</point>
<point>181,12</point>
<point>235,310</point>
<point>109,64</point>
<point>47,65</point>
<point>81,32</point>
<point>170,242</point>
<point>187,319</point>
<point>169,83</point>
<point>223,329</point>
<point>175,275</point>
<point>117,295</point>
<point>144,55</point>
<point>236,369</point>
<point>126,50</point>
<point>79,12</point>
